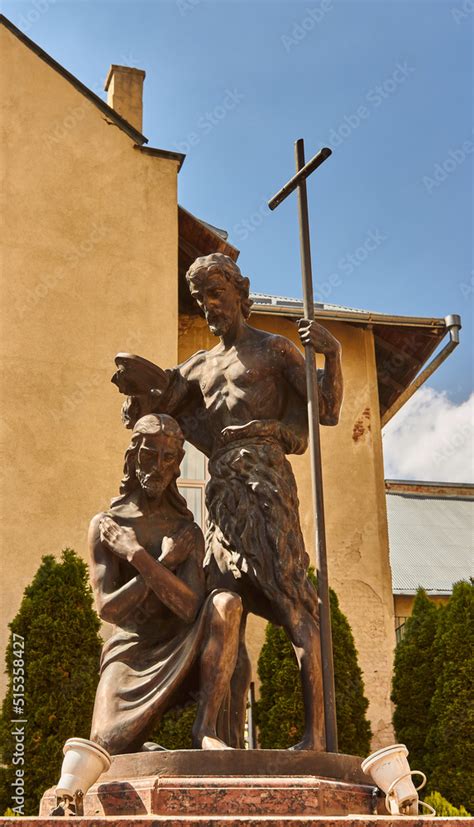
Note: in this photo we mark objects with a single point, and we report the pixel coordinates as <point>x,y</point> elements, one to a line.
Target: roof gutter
<point>402,592</point>
<point>453,326</point>
<point>353,316</point>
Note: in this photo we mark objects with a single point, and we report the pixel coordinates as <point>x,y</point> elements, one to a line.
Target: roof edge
<point>420,488</point>
<point>162,153</point>
<point>413,592</point>
<point>207,228</point>
<point>428,483</point>
<point>124,125</point>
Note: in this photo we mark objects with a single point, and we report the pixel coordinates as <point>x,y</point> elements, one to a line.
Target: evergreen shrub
<point>450,739</point>
<point>443,808</point>
<point>60,630</point>
<point>414,678</point>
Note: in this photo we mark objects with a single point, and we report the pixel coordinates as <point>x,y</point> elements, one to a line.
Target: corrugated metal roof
<point>288,301</point>
<point>223,233</point>
<point>430,541</point>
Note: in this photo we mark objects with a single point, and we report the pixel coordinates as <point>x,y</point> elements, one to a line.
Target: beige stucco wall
<point>88,268</point>
<point>355,510</point>
<point>403,603</point>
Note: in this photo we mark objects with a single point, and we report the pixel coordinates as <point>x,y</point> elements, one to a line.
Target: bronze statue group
<point>179,601</point>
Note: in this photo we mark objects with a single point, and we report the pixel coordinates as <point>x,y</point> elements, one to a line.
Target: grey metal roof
<point>288,301</point>
<point>223,233</point>
<point>431,541</point>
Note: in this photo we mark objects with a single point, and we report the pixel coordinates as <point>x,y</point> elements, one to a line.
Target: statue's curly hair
<point>218,262</point>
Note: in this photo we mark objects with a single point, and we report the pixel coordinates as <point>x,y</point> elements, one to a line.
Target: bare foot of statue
<point>210,741</point>
<point>151,746</point>
<point>310,743</point>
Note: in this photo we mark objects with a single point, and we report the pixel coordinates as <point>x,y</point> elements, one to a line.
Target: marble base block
<point>238,795</point>
<point>241,821</point>
<point>200,784</point>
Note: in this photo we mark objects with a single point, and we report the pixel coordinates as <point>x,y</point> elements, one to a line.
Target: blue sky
<point>386,84</point>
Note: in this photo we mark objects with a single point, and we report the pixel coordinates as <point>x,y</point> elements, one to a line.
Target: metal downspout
<point>453,325</point>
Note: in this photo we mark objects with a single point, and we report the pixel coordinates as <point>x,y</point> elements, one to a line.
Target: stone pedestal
<point>240,821</point>
<point>197,784</point>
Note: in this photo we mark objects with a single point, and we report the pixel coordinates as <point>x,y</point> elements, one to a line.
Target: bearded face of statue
<point>219,299</point>
<point>158,463</point>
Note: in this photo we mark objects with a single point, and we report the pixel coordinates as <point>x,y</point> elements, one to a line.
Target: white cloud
<point>430,438</point>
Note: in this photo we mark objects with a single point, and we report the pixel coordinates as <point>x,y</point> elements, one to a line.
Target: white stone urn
<point>83,763</point>
<point>391,771</point>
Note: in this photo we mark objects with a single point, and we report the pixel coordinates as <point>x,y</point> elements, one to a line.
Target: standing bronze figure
<point>243,403</point>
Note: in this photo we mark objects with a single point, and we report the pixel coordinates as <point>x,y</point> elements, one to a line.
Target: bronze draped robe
<point>148,665</point>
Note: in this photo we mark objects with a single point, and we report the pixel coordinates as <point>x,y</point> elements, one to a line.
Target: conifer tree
<point>414,678</point>
<point>279,711</point>
<point>60,630</point>
<point>450,741</point>
<point>443,807</point>
<point>354,731</point>
<point>280,708</point>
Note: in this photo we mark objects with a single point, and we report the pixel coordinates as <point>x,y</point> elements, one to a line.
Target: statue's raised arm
<point>136,375</point>
<point>150,389</point>
<point>143,382</point>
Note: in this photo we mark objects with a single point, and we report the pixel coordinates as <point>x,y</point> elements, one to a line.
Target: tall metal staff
<point>299,182</point>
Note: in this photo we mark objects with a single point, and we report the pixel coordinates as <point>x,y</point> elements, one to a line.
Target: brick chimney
<point>124,87</point>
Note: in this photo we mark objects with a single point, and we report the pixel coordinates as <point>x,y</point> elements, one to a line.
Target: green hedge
<point>61,654</point>
<point>443,808</point>
<point>432,687</point>
<point>414,678</point>
<point>450,738</point>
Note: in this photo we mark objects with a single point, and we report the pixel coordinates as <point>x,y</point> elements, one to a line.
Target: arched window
<point>192,482</point>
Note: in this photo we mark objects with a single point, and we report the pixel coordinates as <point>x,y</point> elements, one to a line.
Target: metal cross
<point>299,181</point>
